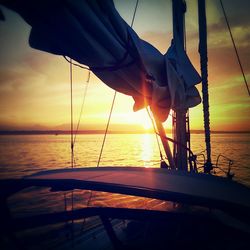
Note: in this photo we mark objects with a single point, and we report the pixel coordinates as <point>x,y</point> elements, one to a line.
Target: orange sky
<point>35,89</point>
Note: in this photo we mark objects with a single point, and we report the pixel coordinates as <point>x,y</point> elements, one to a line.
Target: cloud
<point>222,26</point>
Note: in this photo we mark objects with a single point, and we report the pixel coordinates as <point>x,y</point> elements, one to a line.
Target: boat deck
<point>196,189</point>
<point>200,189</point>
<point>185,188</point>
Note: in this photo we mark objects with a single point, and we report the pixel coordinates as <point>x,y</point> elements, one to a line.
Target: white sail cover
<point>93,33</point>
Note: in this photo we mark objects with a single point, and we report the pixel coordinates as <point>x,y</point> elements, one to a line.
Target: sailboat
<point>111,49</point>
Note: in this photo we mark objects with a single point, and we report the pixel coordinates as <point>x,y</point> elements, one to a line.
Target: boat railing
<point>228,172</point>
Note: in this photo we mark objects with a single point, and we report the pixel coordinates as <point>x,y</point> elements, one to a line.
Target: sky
<point>35,87</point>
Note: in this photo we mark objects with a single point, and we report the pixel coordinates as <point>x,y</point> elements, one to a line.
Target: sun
<point>145,121</point>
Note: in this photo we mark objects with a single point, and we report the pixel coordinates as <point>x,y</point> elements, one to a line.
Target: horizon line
<point>100,131</point>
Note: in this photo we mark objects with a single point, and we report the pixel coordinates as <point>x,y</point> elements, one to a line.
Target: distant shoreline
<point>84,132</point>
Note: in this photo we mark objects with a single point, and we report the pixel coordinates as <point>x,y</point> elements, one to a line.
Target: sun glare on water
<point>147,149</point>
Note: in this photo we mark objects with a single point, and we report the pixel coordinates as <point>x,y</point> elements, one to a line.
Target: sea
<point>23,155</point>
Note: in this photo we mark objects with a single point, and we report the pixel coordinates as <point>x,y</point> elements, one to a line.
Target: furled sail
<point>93,33</point>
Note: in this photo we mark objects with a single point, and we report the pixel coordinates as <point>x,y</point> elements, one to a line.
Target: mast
<point>204,75</point>
<point>180,118</point>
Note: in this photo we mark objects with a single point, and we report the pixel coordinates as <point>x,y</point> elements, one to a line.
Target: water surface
<point>23,155</point>
<point>26,154</point>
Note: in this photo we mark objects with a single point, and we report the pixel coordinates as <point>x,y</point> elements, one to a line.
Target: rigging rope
<point>71,142</point>
<point>204,77</point>
<point>75,64</point>
<point>178,143</point>
<point>235,48</point>
<point>71,114</point>
<point>83,102</point>
<point>156,135</point>
<point>73,137</point>
<point>106,131</point>
<point>119,64</point>
<point>133,19</point>
<point>113,102</point>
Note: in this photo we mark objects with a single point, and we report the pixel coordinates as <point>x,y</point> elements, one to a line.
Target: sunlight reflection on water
<point>147,149</point>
